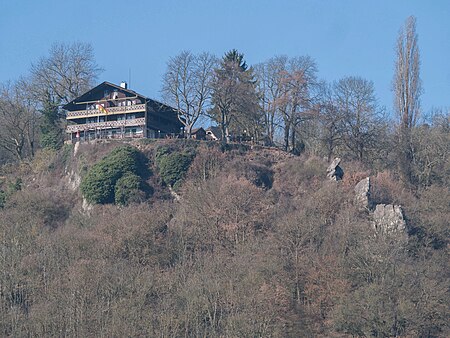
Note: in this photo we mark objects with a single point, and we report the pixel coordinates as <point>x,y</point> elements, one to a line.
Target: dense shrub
<point>298,175</point>
<point>429,217</point>
<point>260,174</point>
<point>98,186</point>
<point>43,208</point>
<point>173,166</point>
<point>129,188</point>
<point>239,148</point>
<point>161,152</point>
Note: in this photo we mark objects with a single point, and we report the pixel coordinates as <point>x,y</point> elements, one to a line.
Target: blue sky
<point>346,37</point>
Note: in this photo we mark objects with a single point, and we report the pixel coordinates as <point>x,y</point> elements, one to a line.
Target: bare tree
<point>269,75</point>
<point>431,144</point>
<point>294,101</point>
<point>18,120</point>
<point>69,71</point>
<point>66,73</point>
<point>285,86</point>
<point>187,86</point>
<point>330,121</point>
<point>407,90</point>
<point>355,99</point>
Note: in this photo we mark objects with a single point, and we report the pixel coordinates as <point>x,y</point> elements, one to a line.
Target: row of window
<point>116,118</point>
<point>111,133</point>
<point>122,103</point>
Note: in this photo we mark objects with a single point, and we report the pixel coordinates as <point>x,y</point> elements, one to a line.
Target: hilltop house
<point>111,111</point>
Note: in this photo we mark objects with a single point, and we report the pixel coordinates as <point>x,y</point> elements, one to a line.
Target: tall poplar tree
<point>407,88</point>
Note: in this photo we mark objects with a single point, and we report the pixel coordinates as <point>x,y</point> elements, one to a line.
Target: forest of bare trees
<point>258,243</point>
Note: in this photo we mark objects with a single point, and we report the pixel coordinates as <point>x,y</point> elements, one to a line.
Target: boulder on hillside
<point>362,194</point>
<point>388,219</point>
<point>334,171</point>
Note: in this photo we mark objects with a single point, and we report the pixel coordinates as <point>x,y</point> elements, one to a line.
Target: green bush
<point>160,153</point>
<point>124,159</point>
<point>98,185</point>
<point>129,188</point>
<point>172,167</point>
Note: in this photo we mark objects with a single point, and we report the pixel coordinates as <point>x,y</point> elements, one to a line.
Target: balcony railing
<point>111,111</point>
<point>104,125</point>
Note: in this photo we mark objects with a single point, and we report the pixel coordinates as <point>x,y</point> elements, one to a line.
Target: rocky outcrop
<point>334,171</point>
<point>76,148</point>
<point>388,219</point>
<point>86,207</point>
<point>73,180</point>
<point>362,194</point>
<point>176,197</point>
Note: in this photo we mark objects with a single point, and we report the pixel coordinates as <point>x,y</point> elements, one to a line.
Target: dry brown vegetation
<point>260,244</point>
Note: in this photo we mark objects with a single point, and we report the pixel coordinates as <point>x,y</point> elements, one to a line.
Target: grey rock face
<point>74,180</point>
<point>362,194</point>
<point>86,207</point>
<point>76,148</point>
<point>334,171</point>
<point>388,219</point>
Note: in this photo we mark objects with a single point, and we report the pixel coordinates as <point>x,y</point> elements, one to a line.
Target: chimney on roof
<point>124,85</point>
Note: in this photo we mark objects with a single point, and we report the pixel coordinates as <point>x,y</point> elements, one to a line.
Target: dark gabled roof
<point>196,130</point>
<point>88,96</point>
<point>102,86</point>
<point>132,92</point>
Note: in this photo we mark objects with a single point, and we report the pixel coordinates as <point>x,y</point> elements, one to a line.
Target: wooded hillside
<point>185,238</point>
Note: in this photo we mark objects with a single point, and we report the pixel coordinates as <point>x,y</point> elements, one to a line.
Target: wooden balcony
<point>105,125</point>
<point>111,111</point>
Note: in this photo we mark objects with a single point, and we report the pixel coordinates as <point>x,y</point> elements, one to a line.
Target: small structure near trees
<point>198,134</point>
<point>214,133</point>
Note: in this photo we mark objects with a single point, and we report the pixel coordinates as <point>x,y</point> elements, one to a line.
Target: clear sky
<point>345,37</point>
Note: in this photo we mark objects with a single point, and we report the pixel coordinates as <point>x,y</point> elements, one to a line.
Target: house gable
<point>103,92</point>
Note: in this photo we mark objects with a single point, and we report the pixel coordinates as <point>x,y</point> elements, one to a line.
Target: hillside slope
<point>225,241</point>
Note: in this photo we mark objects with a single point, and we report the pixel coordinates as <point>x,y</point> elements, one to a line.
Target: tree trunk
<point>293,136</point>
<point>227,134</point>
<point>287,128</point>
<point>189,131</point>
<point>405,154</point>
